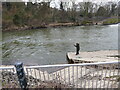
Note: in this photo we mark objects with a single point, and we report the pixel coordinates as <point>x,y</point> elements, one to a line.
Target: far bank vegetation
<point>17,15</point>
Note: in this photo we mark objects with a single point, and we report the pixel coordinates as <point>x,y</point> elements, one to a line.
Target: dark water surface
<point>49,46</point>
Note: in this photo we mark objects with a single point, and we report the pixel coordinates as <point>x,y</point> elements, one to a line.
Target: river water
<point>50,45</point>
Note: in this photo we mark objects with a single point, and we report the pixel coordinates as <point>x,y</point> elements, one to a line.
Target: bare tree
<point>86,8</point>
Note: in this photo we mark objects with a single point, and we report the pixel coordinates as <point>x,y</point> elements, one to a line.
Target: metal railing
<point>85,75</point>
<point>8,76</point>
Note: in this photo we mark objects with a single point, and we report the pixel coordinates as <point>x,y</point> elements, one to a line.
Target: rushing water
<point>49,46</point>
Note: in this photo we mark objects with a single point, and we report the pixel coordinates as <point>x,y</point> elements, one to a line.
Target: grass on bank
<point>111,21</point>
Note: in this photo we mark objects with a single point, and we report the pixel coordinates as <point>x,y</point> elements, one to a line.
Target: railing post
<point>21,75</point>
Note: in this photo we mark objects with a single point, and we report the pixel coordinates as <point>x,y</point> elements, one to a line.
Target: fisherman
<point>77,48</point>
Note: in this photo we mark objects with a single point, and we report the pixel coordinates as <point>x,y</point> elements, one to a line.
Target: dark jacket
<point>77,46</point>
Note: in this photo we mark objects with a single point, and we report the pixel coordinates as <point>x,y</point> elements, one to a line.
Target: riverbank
<point>41,26</point>
<point>70,24</point>
<point>21,16</point>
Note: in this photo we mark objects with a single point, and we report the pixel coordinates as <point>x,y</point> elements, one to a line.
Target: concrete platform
<point>91,57</point>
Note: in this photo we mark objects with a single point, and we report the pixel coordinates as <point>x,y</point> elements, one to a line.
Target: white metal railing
<point>7,69</point>
<point>85,75</point>
<point>8,76</point>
